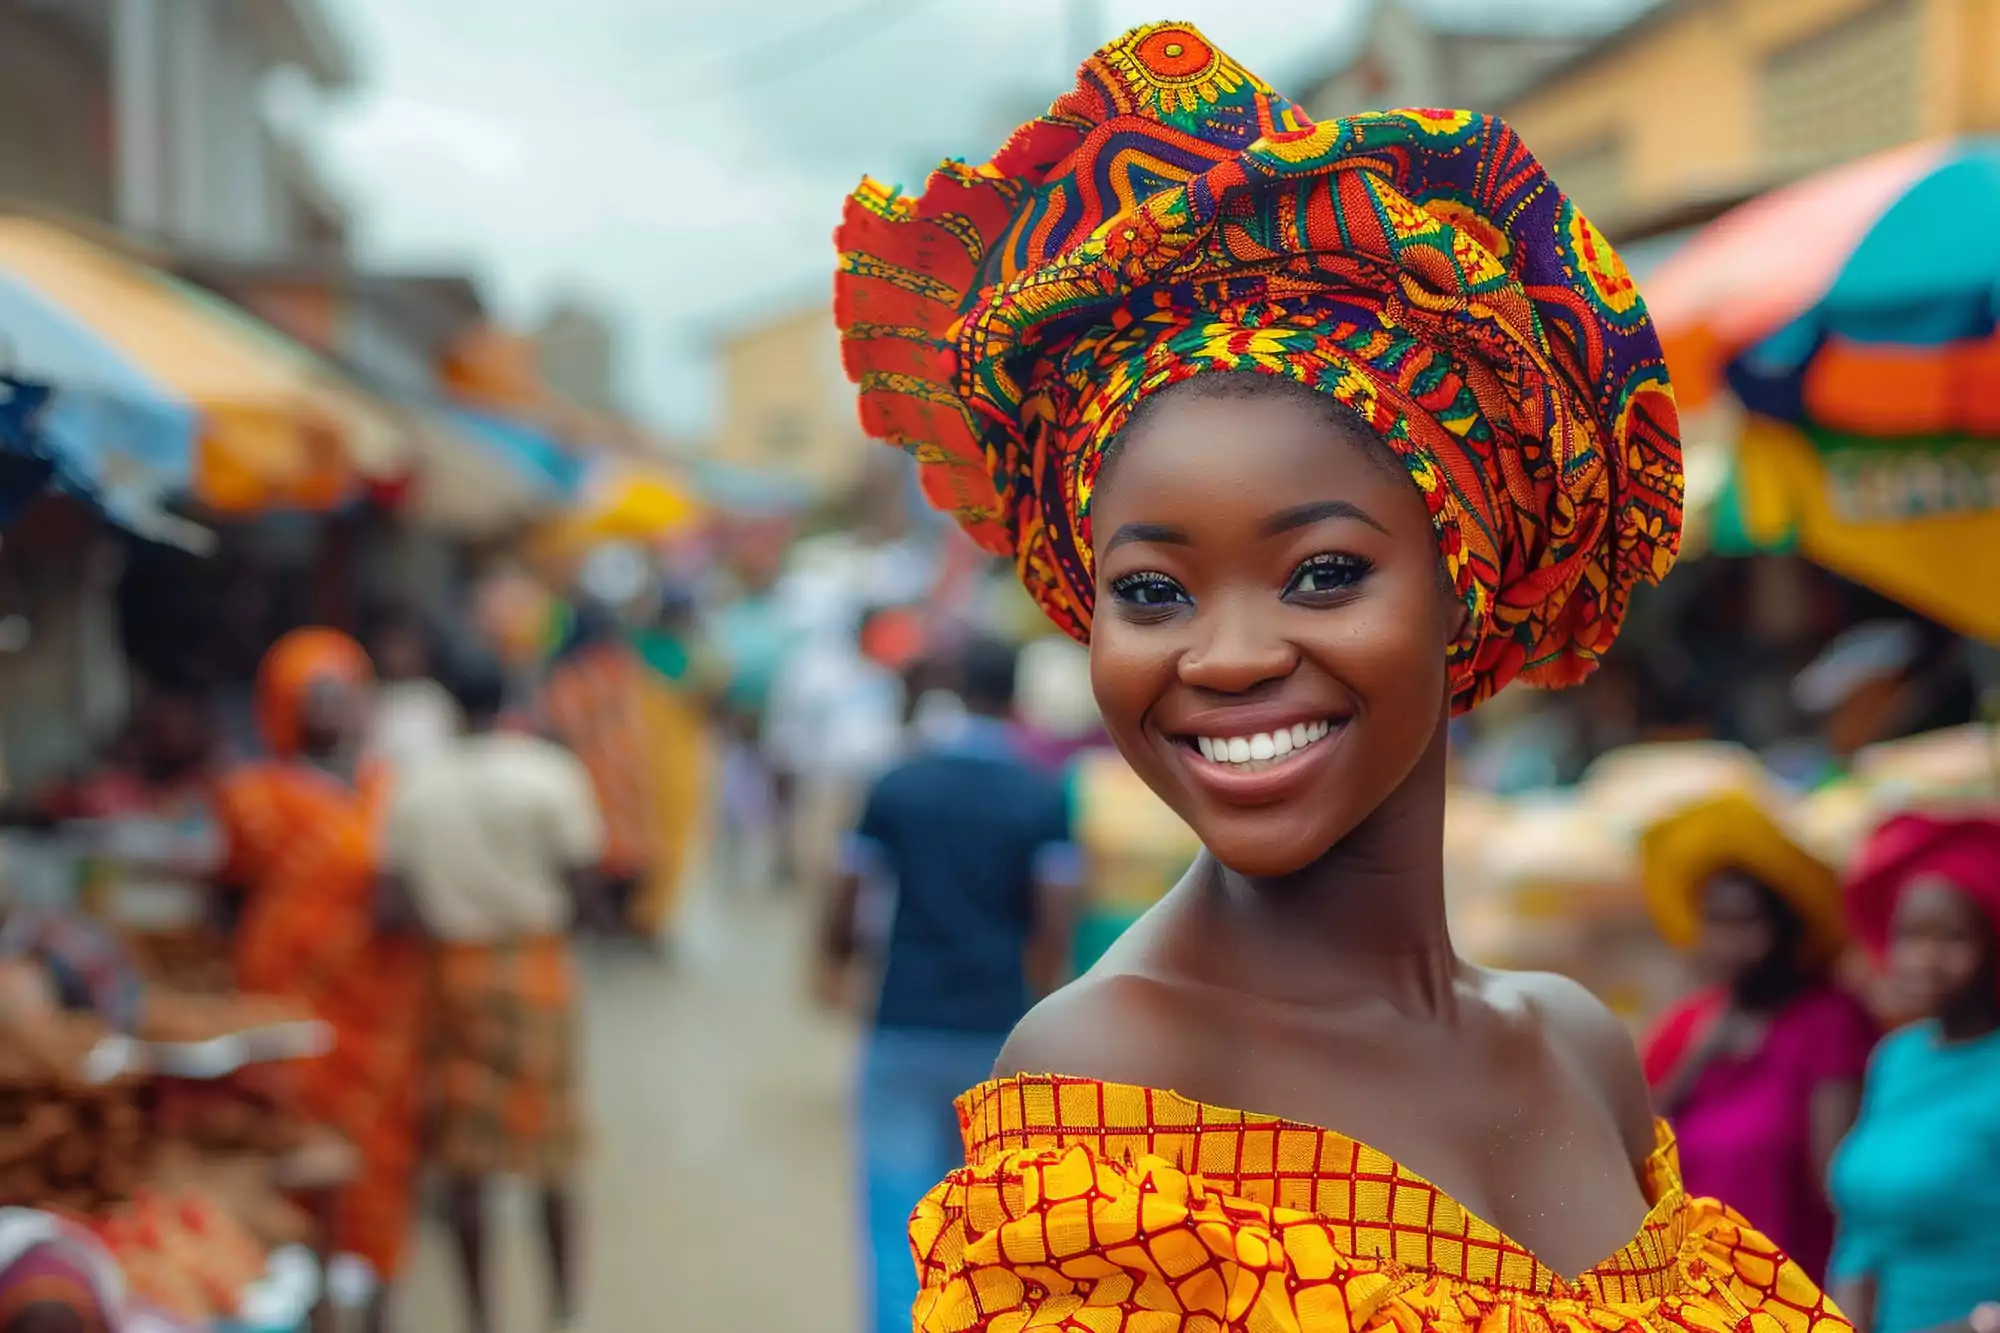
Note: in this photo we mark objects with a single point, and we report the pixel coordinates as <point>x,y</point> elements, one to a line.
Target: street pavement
<point>718,1192</point>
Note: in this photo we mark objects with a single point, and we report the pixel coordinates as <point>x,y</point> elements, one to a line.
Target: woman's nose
<point>1235,649</point>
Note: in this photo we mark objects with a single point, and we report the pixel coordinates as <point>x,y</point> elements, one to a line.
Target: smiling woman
<point>1316,434</point>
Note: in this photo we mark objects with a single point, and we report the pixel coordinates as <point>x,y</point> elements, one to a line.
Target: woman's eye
<point>1149,591</point>
<point>1327,573</point>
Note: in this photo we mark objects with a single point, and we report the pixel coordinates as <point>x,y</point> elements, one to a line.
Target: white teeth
<point>1263,747</point>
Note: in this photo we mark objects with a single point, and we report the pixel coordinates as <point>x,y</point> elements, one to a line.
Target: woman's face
<point>331,713</point>
<point>1941,947</point>
<point>1737,933</point>
<point>1269,643</point>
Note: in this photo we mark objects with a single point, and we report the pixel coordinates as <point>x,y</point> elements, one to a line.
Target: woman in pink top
<point>1759,1074</point>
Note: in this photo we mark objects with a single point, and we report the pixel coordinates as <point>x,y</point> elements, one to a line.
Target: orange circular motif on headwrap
<point>1173,216</point>
<point>1176,53</point>
<point>293,666</point>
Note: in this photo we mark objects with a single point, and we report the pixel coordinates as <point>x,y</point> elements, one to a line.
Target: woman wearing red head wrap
<point>1917,1184</point>
<point>301,832</point>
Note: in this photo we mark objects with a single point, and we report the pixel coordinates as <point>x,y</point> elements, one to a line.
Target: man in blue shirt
<point>974,842</point>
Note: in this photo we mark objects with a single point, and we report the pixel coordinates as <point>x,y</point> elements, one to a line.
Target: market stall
<point>171,1151</point>
<point>1851,316</point>
<point>164,390</point>
<point>142,1099</point>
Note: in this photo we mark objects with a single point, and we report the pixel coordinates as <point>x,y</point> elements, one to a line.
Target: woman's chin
<point>1256,855</point>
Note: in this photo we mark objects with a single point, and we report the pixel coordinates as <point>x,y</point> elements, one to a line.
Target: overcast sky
<point>680,163</point>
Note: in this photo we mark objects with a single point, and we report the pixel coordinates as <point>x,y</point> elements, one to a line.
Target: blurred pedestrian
<point>754,638</point>
<point>414,714</point>
<point>973,840</point>
<point>593,701</point>
<point>1917,1183</point>
<point>300,831</point>
<point>1760,1072</point>
<point>495,843</point>
<point>835,722</point>
<point>680,687</point>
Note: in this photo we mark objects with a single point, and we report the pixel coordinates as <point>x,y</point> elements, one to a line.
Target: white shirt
<point>414,719</point>
<point>835,713</point>
<point>487,831</point>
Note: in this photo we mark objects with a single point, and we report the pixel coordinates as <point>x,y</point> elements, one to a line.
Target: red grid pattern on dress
<point>1378,1208</point>
<point>1101,1208</point>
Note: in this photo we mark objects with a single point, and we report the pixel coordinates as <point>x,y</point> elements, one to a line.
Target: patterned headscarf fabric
<point>1174,216</point>
<point>288,673</point>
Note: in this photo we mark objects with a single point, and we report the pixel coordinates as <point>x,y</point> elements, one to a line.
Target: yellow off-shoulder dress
<point>1107,1208</point>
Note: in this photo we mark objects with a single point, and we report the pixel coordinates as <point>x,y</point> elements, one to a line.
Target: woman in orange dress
<point>1318,435</point>
<point>301,829</point>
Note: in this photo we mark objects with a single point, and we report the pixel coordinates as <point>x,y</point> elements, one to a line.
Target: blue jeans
<point>909,1142</point>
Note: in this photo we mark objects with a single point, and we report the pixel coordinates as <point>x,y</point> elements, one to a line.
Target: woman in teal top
<point>1917,1183</point>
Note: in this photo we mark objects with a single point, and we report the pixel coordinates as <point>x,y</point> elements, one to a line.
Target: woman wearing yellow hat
<point>1760,1072</point>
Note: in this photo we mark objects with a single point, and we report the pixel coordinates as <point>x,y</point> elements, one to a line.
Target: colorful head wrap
<point>288,673</point>
<point>1909,847</point>
<point>1172,216</point>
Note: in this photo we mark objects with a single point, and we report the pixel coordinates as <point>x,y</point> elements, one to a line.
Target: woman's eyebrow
<point>1299,516</point>
<point>1157,533</point>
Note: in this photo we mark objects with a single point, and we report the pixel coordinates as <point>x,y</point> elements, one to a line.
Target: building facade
<point>151,115</point>
<point>787,408</point>
<point>576,349</point>
<point>1407,56</point>
<point>1701,103</point>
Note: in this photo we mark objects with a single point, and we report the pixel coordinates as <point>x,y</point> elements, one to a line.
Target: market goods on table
<point>213,1036</point>
<point>192,961</point>
<point>181,1179</point>
<point>182,1252</point>
<point>68,1143</point>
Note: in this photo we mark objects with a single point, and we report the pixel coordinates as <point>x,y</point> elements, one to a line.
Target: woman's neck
<point>1367,919</point>
<point>1770,989</point>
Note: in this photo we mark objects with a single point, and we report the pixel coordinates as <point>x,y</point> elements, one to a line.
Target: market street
<point>718,1195</point>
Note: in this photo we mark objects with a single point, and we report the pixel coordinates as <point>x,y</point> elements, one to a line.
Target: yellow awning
<point>273,425</point>
<point>1944,563</point>
<point>624,500</point>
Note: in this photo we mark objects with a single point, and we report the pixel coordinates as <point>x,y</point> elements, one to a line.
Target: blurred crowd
<point>431,810</point>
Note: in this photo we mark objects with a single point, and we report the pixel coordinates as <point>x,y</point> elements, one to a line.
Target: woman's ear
<point>1456,614</point>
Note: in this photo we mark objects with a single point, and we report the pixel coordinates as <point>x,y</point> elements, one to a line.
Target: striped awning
<point>163,388</point>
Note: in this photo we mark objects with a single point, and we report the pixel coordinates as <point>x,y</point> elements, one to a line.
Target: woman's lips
<point>1274,764</point>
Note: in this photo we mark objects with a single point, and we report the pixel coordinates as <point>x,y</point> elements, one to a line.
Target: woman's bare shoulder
<point>1596,1042</point>
<point>1119,1027</point>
